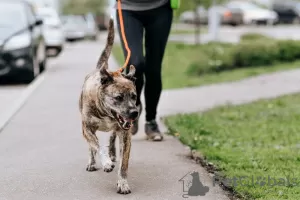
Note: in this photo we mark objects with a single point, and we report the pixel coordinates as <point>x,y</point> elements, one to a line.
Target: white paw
<point>106,162</point>
<point>108,167</point>
<point>123,187</point>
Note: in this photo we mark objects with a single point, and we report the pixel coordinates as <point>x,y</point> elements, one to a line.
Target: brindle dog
<point>108,103</point>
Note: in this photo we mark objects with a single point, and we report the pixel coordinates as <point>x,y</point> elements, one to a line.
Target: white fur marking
<point>104,157</point>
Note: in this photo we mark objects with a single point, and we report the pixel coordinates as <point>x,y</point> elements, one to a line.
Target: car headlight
<point>18,42</point>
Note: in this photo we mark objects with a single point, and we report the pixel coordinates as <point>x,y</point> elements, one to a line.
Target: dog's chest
<point>106,124</point>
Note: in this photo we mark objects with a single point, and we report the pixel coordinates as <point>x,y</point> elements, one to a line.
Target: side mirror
<point>38,22</point>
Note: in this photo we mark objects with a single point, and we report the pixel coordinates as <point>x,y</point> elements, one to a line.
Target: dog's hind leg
<point>112,146</point>
<point>92,140</point>
<point>92,161</point>
<point>125,146</point>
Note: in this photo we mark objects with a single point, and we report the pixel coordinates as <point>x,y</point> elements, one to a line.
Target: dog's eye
<point>119,98</point>
<point>133,96</point>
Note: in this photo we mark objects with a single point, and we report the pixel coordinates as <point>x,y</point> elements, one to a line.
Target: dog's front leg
<point>91,138</point>
<point>125,145</point>
<point>112,147</point>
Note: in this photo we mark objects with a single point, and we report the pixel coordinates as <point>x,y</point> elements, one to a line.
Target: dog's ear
<point>131,73</point>
<point>105,77</point>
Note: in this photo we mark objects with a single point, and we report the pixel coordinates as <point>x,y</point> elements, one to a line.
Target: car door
<point>37,35</point>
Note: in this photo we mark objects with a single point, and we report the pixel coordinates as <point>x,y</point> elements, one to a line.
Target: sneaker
<point>135,125</point>
<point>152,131</point>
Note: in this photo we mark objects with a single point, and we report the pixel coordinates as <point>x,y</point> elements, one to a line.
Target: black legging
<point>157,24</point>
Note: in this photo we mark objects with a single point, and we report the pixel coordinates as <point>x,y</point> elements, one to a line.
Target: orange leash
<point>123,36</point>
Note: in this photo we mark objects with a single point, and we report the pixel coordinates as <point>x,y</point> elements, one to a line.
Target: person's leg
<point>134,32</point>
<point>156,36</point>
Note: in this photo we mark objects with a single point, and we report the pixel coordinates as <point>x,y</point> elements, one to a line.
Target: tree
<point>197,24</point>
<point>206,4</point>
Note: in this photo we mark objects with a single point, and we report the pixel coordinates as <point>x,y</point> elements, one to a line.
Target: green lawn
<point>177,60</point>
<point>260,139</point>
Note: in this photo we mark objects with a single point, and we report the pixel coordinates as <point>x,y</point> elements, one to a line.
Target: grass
<point>259,139</point>
<point>177,60</point>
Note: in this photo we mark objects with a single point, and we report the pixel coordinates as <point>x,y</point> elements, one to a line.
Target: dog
<point>108,103</point>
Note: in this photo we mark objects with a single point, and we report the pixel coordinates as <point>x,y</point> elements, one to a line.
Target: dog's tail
<point>109,44</point>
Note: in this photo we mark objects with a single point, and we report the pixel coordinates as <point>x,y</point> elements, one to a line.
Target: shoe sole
<point>156,138</point>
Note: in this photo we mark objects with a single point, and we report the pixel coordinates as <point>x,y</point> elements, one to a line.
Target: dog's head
<point>118,94</point>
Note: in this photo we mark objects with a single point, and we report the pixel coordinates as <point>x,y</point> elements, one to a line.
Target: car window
<point>48,15</point>
<point>30,14</point>
<point>12,17</point>
<point>74,20</point>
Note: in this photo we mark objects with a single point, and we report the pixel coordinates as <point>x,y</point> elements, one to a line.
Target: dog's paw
<point>123,187</point>
<point>91,168</point>
<point>108,167</point>
<point>106,162</point>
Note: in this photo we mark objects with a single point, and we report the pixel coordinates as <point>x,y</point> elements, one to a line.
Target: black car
<point>22,45</point>
<point>288,11</point>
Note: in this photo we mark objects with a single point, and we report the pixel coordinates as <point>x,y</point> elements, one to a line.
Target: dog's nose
<point>133,114</point>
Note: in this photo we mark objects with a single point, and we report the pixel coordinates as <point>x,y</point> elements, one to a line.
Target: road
<point>232,34</point>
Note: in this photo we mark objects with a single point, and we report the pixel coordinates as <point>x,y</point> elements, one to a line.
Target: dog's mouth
<point>122,121</point>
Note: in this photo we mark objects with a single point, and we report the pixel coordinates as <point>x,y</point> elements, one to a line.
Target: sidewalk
<point>238,92</point>
<point>43,154</point>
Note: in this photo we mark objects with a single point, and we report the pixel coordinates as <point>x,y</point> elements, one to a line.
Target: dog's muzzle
<point>123,122</point>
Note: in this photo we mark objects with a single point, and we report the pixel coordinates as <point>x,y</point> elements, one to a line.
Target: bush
<point>213,57</point>
<point>199,67</point>
<point>216,57</point>
<point>257,53</point>
<point>289,50</point>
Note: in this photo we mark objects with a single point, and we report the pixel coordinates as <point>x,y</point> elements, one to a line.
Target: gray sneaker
<point>152,131</point>
<point>135,126</point>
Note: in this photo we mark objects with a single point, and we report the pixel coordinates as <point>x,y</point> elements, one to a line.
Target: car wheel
<point>58,51</point>
<point>42,65</point>
<point>43,60</point>
<point>33,72</point>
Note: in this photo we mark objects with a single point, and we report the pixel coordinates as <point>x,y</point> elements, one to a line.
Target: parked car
<point>227,16</point>
<point>91,27</point>
<point>74,27</point>
<point>52,30</point>
<point>288,11</point>
<point>230,16</point>
<point>189,17</point>
<point>22,45</point>
<point>252,13</point>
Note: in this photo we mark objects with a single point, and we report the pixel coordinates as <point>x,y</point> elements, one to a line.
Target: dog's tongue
<point>127,124</point>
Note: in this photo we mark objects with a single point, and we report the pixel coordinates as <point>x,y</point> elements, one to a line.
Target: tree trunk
<point>197,23</point>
